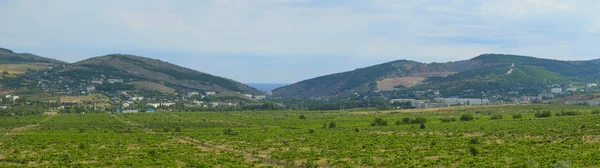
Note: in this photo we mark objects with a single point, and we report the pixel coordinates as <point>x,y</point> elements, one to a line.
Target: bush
<point>422,126</point>
<point>406,120</point>
<point>568,113</point>
<point>449,119</point>
<point>379,122</point>
<point>515,116</point>
<point>178,129</point>
<point>474,151</point>
<point>311,130</point>
<point>496,117</point>
<point>596,112</point>
<point>166,130</point>
<point>419,120</point>
<point>475,140</point>
<point>302,117</point>
<point>543,114</point>
<point>332,124</point>
<point>356,130</point>
<point>229,131</point>
<point>466,117</point>
<point>81,130</point>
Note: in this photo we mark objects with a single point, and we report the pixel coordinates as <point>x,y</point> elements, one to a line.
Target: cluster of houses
<point>443,102</point>
<point>11,98</point>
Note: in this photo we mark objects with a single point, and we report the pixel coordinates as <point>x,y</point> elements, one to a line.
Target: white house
<point>248,95</point>
<point>592,85</point>
<point>571,89</point>
<point>192,94</point>
<point>14,98</point>
<point>260,97</point>
<point>136,98</point>
<point>113,81</point>
<point>167,104</point>
<point>130,111</point>
<point>210,93</point>
<point>155,105</point>
<point>97,81</point>
<point>556,90</point>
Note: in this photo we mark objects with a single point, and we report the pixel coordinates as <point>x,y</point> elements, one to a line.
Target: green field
<point>283,139</point>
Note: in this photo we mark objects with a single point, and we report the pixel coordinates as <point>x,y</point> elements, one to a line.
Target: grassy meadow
<point>488,136</point>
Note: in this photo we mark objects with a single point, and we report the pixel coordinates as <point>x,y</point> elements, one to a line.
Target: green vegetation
<point>241,139</point>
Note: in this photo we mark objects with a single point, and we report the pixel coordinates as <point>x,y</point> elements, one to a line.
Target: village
<point>512,97</point>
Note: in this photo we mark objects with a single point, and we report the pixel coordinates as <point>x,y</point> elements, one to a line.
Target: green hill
<point>136,68</point>
<point>9,57</point>
<point>487,73</point>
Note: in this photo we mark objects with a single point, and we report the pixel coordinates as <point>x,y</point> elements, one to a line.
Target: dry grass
<point>145,85</point>
<point>389,83</point>
<point>21,68</point>
<point>80,99</point>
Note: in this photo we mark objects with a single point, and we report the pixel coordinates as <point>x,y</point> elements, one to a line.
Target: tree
<point>422,126</point>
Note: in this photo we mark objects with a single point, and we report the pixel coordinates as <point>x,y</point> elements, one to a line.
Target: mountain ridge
<point>143,68</point>
<point>483,70</point>
<point>10,57</point>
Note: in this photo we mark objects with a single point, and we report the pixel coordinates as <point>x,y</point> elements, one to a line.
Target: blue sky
<point>285,41</point>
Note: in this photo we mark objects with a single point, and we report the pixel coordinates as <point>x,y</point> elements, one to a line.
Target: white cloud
<point>361,31</point>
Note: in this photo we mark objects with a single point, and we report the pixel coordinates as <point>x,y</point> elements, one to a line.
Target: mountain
<point>266,86</point>
<point>485,74</point>
<point>136,68</point>
<point>9,57</point>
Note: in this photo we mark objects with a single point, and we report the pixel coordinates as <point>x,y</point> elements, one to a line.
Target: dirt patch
<point>590,138</point>
<point>431,157</point>
<point>390,83</point>
<point>133,147</point>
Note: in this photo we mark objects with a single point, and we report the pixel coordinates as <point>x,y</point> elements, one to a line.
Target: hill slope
<point>9,57</point>
<point>485,73</point>
<point>135,68</point>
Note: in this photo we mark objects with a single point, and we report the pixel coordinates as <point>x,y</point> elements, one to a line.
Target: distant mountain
<point>487,73</point>
<point>266,86</point>
<point>9,57</point>
<point>136,68</point>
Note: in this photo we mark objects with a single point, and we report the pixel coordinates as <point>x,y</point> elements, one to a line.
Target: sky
<point>286,41</point>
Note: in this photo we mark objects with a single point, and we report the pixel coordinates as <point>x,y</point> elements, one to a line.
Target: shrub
<point>166,130</point>
<point>229,131</point>
<point>422,126</point>
<point>515,116</point>
<point>419,120</point>
<point>379,122</point>
<point>356,130</point>
<point>406,120</point>
<point>496,117</point>
<point>302,117</point>
<point>467,117</point>
<point>81,130</point>
<point>596,112</point>
<point>568,113</point>
<point>332,124</point>
<point>178,129</point>
<point>543,114</point>
<point>474,151</point>
<point>475,140</point>
<point>311,130</point>
<point>448,119</point>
